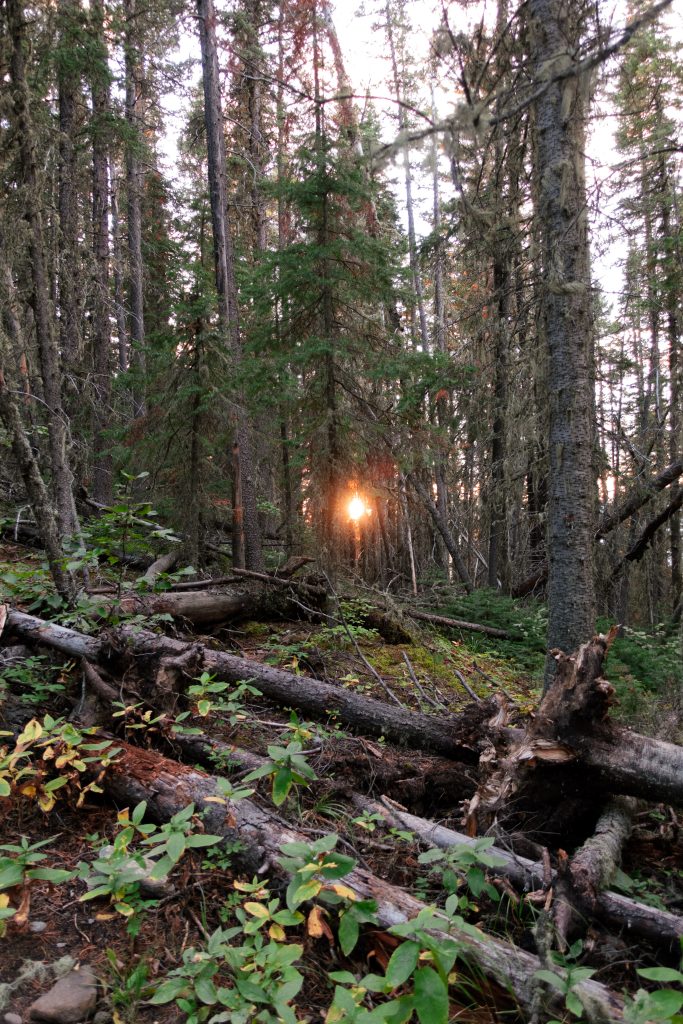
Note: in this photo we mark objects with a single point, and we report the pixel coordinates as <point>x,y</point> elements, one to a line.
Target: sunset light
<point>356,508</point>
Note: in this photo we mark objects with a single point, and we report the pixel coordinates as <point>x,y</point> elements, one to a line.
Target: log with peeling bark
<point>619,912</point>
<point>619,760</point>
<point>573,754</point>
<point>442,620</point>
<point>206,608</point>
<point>168,787</point>
<point>457,736</point>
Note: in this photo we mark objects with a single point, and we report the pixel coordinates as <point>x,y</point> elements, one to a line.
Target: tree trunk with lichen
<point>555,32</point>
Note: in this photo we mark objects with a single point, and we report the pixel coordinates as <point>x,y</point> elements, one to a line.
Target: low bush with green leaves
<point>287,767</point>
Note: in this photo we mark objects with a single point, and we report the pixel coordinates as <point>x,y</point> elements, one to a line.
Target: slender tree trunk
<point>101,331</point>
<point>117,269</point>
<point>246,536</point>
<point>69,304</point>
<point>566,310</point>
<point>135,176</point>
<point>48,349</point>
<point>36,490</point>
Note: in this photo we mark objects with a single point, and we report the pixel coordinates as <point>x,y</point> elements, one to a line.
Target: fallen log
<point>205,608</point>
<point>442,620</point>
<point>169,787</point>
<point>457,736</point>
<point>619,912</point>
<point>424,781</point>
<point>571,740</point>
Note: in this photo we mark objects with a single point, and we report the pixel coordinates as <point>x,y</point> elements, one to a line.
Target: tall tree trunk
<point>36,490</point>
<point>69,86</point>
<point>48,349</point>
<point>135,176</point>
<point>117,268</point>
<point>101,331</point>
<point>246,535</point>
<point>566,310</point>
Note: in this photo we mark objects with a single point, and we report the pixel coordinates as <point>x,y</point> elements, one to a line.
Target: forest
<point>341,582</point>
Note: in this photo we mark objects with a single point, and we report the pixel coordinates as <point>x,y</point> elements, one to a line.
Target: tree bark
<point>101,333</point>
<point>135,176</point>
<point>619,912</point>
<point>31,475</point>
<point>247,549</point>
<point>48,349</point>
<point>566,309</point>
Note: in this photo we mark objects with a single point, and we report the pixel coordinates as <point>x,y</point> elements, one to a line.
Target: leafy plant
<point>287,767</point>
<point>18,870</point>
<point>34,678</point>
<point>127,989</point>
<point>254,979</point>
<point>661,1005</point>
<point>468,863</point>
<point>119,871</point>
<point>567,977</point>
<point>52,755</point>
<point>209,695</point>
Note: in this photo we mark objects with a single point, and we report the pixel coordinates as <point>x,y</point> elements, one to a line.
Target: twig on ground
<point>430,700</point>
<point>465,685</point>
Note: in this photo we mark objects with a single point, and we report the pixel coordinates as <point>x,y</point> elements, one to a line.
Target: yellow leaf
<point>46,802</point>
<point>277,933</point>
<point>314,924</point>
<point>28,790</point>
<point>48,753</point>
<point>344,891</point>
<point>257,910</point>
<point>214,800</point>
<point>104,916</point>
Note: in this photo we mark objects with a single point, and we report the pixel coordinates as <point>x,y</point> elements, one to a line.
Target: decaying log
<point>572,740</point>
<point>619,912</point>
<point>593,865</point>
<point>441,620</point>
<point>424,781</point>
<point>456,736</point>
<point>169,787</point>
<point>162,564</point>
<point>205,608</point>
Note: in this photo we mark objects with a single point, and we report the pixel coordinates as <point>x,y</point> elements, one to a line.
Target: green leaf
<point>196,842</point>
<point>51,874</point>
<point>282,783</point>
<point>402,963</point>
<point>341,865</point>
<point>574,1004</point>
<point>168,991</point>
<point>664,1004</point>
<point>551,979</point>
<point>431,997</point>
<point>206,990</point>
<point>348,933</point>
<point>11,874</point>
<point>661,974</point>
<point>431,856</point>
<point>176,846</point>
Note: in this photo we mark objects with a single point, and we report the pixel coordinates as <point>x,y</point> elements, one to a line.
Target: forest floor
<point>134,940</point>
